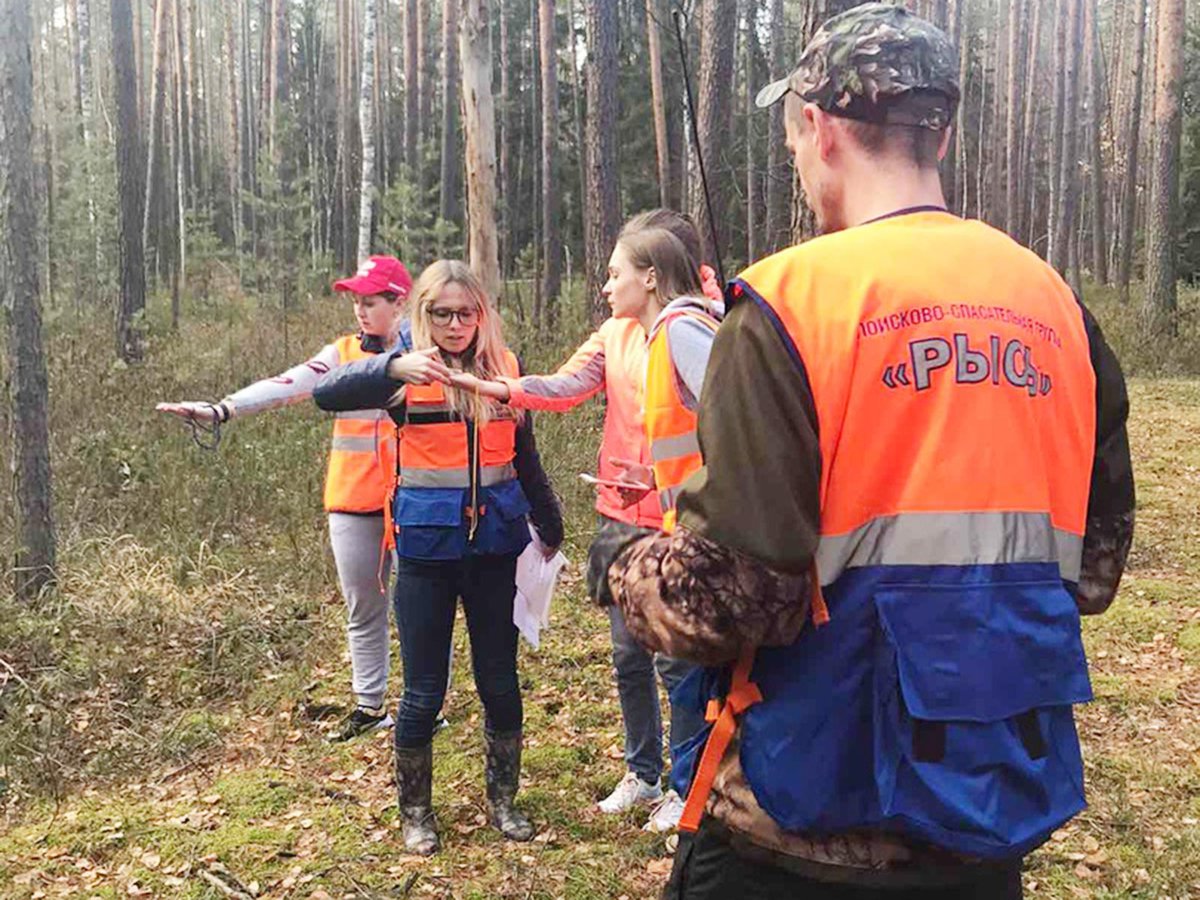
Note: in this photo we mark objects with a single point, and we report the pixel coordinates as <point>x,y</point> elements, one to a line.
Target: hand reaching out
<point>197,411</point>
<point>419,367</point>
<point>496,390</point>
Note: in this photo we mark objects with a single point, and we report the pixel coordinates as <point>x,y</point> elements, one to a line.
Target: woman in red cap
<point>360,473</point>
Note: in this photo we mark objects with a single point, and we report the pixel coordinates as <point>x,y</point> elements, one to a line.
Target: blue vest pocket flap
<point>441,507</point>
<point>509,500</point>
<point>984,652</point>
<point>975,743</point>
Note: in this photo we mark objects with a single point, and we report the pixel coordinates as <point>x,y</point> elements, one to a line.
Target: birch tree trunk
<point>1160,301</point>
<point>480,126</point>
<point>28,393</point>
<point>366,127</point>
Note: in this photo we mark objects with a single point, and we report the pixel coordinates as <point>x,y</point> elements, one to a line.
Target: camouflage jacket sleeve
<point>736,571</point>
<point>1111,499</point>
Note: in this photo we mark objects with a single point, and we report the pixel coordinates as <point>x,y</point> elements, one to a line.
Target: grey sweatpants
<point>357,544</point>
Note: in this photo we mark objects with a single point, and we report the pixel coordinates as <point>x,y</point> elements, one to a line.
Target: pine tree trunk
<point>577,106</point>
<point>504,118</point>
<point>1055,137</point>
<point>182,99</point>
<point>659,103</point>
<point>448,199</point>
<point>1096,157</point>
<point>412,125</point>
<point>235,144</point>
<point>1012,168</point>
<point>366,126</point>
<point>83,77</point>
<point>954,153</point>
<point>551,200</point>
<point>1068,172</point>
<point>1028,161</point>
<point>1160,302</point>
<point>424,74</point>
<point>28,387</point>
<point>778,176</point>
<point>130,186</point>
<point>179,151</point>
<point>1132,141</point>
<point>150,211</point>
<point>718,34</point>
<point>480,126</point>
<point>601,210</point>
<point>753,228</point>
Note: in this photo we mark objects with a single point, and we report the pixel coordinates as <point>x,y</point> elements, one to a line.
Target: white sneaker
<point>666,815</point>
<point>630,791</point>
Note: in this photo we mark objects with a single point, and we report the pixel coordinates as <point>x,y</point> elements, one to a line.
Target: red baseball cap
<point>378,275</point>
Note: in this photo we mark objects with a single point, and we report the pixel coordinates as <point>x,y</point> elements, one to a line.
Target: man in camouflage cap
<point>875,79</point>
<point>903,422</point>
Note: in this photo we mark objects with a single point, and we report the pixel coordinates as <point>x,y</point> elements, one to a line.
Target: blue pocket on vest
<point>430,523</point>
<point>503,528</point>
<point>975,743</point>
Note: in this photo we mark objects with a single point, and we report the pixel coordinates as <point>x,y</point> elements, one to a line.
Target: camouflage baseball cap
<point>877,63</point>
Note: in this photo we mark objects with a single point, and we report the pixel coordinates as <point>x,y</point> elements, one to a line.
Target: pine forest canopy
<point>171,136</point>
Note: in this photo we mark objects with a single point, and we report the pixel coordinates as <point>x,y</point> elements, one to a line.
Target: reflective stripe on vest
<point>434,444</point>
<point>670,426</point>
<point>955,406</point>
<point>362,453</point>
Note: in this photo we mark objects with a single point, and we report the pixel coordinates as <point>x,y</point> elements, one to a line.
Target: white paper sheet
<point>536,577</point>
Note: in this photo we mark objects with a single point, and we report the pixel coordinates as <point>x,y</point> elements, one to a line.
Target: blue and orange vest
<point>457,492</point>
<point>956,408</point>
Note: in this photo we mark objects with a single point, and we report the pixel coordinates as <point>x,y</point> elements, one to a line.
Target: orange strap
<point>743,693</point>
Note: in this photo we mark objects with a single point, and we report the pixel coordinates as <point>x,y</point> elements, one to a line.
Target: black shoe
<point>503,774</point>
<point>414,797</point>
<point>360,722</point>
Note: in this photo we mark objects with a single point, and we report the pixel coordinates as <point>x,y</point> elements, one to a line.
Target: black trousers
<point>708,867</point>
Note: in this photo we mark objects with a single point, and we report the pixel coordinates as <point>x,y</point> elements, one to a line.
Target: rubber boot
<point>414,793</point>
<point>503,773</point>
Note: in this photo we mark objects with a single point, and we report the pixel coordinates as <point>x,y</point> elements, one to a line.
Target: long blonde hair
<point>484,358</point>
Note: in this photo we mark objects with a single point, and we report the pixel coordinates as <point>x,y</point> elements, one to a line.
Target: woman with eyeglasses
<point>470,480</point>
<point>358,479</point>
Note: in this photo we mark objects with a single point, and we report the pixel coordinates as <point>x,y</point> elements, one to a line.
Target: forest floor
<point>260,802</point>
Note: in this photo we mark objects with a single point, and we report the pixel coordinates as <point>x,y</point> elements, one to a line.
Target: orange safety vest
<point>362,456</point>
<point>434,454</point>
<point>955,401</point>
<point>670,426</point>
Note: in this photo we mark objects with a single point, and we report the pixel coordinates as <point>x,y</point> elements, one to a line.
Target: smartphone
<point>613,483</point>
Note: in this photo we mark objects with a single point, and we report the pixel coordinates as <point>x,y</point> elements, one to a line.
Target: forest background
<point>182,179</point>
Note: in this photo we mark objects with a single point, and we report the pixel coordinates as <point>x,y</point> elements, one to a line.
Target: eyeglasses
<point>466,317</point>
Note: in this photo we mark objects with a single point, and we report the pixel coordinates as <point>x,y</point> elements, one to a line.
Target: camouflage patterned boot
<point>414,792</point>
<point>503,772</point>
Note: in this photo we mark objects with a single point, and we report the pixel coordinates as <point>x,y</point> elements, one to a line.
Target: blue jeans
<point>425,601</point>
<point>638,690</point>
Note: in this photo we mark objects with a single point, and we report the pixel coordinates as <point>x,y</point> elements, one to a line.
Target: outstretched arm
<point>286,388</point>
